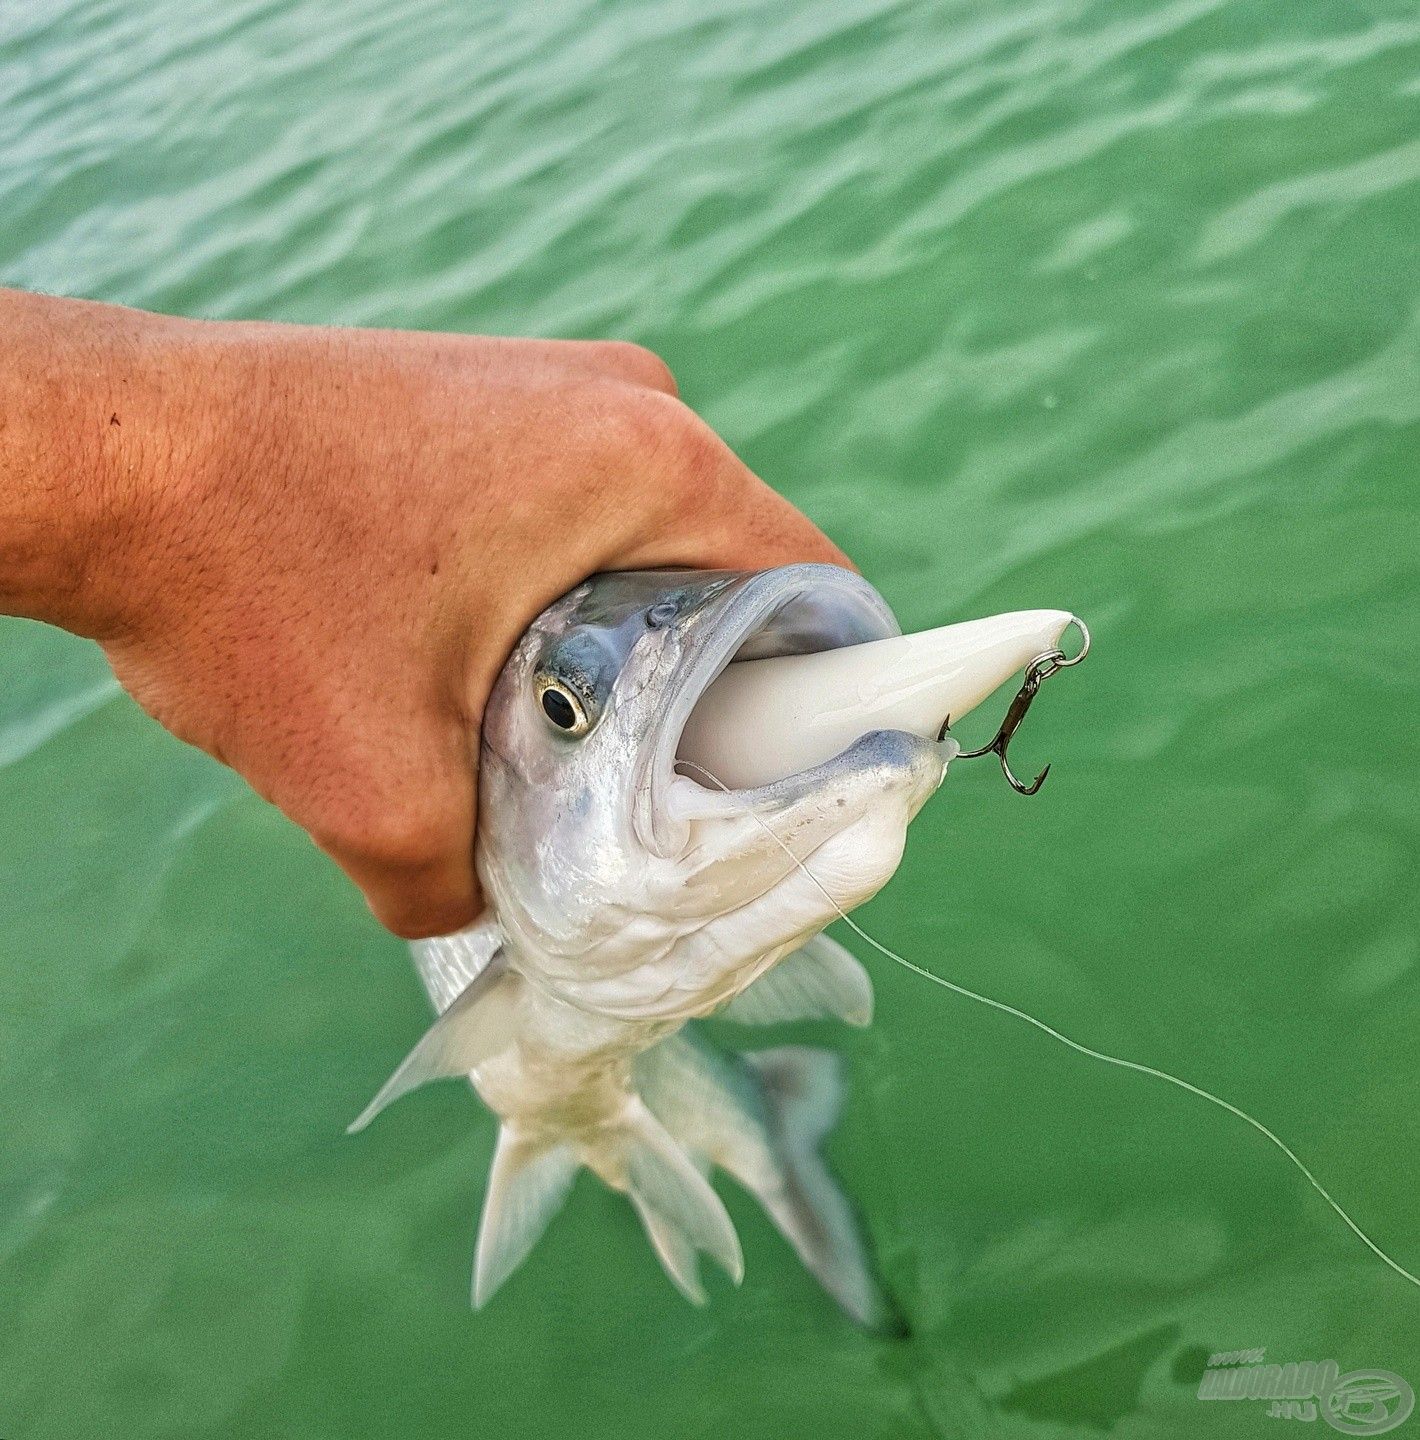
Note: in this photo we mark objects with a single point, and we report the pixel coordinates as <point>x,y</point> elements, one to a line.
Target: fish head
<point>629,884</point>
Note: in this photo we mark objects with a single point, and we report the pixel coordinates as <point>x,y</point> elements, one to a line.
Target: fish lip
<point>849,611</point>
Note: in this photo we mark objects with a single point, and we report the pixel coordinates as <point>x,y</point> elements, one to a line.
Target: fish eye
<point>562,707</point>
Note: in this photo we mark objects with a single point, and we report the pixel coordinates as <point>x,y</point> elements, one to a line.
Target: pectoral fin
<point>449,964</point>
<point>476,1026</point>
<point>819,981</point>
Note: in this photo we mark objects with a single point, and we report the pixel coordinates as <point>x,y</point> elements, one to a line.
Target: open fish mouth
<point>791,610</point>
<point>773,718</point>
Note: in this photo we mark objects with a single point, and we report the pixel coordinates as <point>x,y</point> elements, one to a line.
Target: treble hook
<point>1037,672</point>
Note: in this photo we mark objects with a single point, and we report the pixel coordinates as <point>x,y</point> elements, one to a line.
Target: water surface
<point>1029,303</point>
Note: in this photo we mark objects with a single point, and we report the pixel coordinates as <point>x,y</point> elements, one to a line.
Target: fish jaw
<point>762,872</point>
<point>818,845</point>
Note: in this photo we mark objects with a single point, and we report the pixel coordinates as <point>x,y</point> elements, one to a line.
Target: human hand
<point>308,551</point>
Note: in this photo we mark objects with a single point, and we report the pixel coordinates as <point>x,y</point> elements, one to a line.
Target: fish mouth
<point>791,610</point>
<point>801,713</point>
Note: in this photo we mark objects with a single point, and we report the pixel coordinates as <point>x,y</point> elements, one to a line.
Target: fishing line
<point>1082,1049</point>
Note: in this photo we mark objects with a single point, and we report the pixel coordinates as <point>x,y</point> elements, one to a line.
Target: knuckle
<point>707,480</point>
<point>673,460</point>
<point>700,456</point>
<point>685,452</point>
<point>638,364</point>
<point>635,425</point>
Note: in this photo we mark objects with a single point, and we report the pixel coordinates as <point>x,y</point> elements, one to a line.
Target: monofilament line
<point>1065,1040</point>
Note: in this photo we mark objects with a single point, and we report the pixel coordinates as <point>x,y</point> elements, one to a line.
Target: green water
<point>1102,305</point>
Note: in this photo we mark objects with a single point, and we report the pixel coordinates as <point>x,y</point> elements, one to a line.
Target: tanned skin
<point>308,550</point>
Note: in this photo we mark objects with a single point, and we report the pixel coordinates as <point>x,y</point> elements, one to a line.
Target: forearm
<point>97,416</point>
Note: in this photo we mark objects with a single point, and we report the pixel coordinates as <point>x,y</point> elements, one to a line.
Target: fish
<point>627,901</point>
